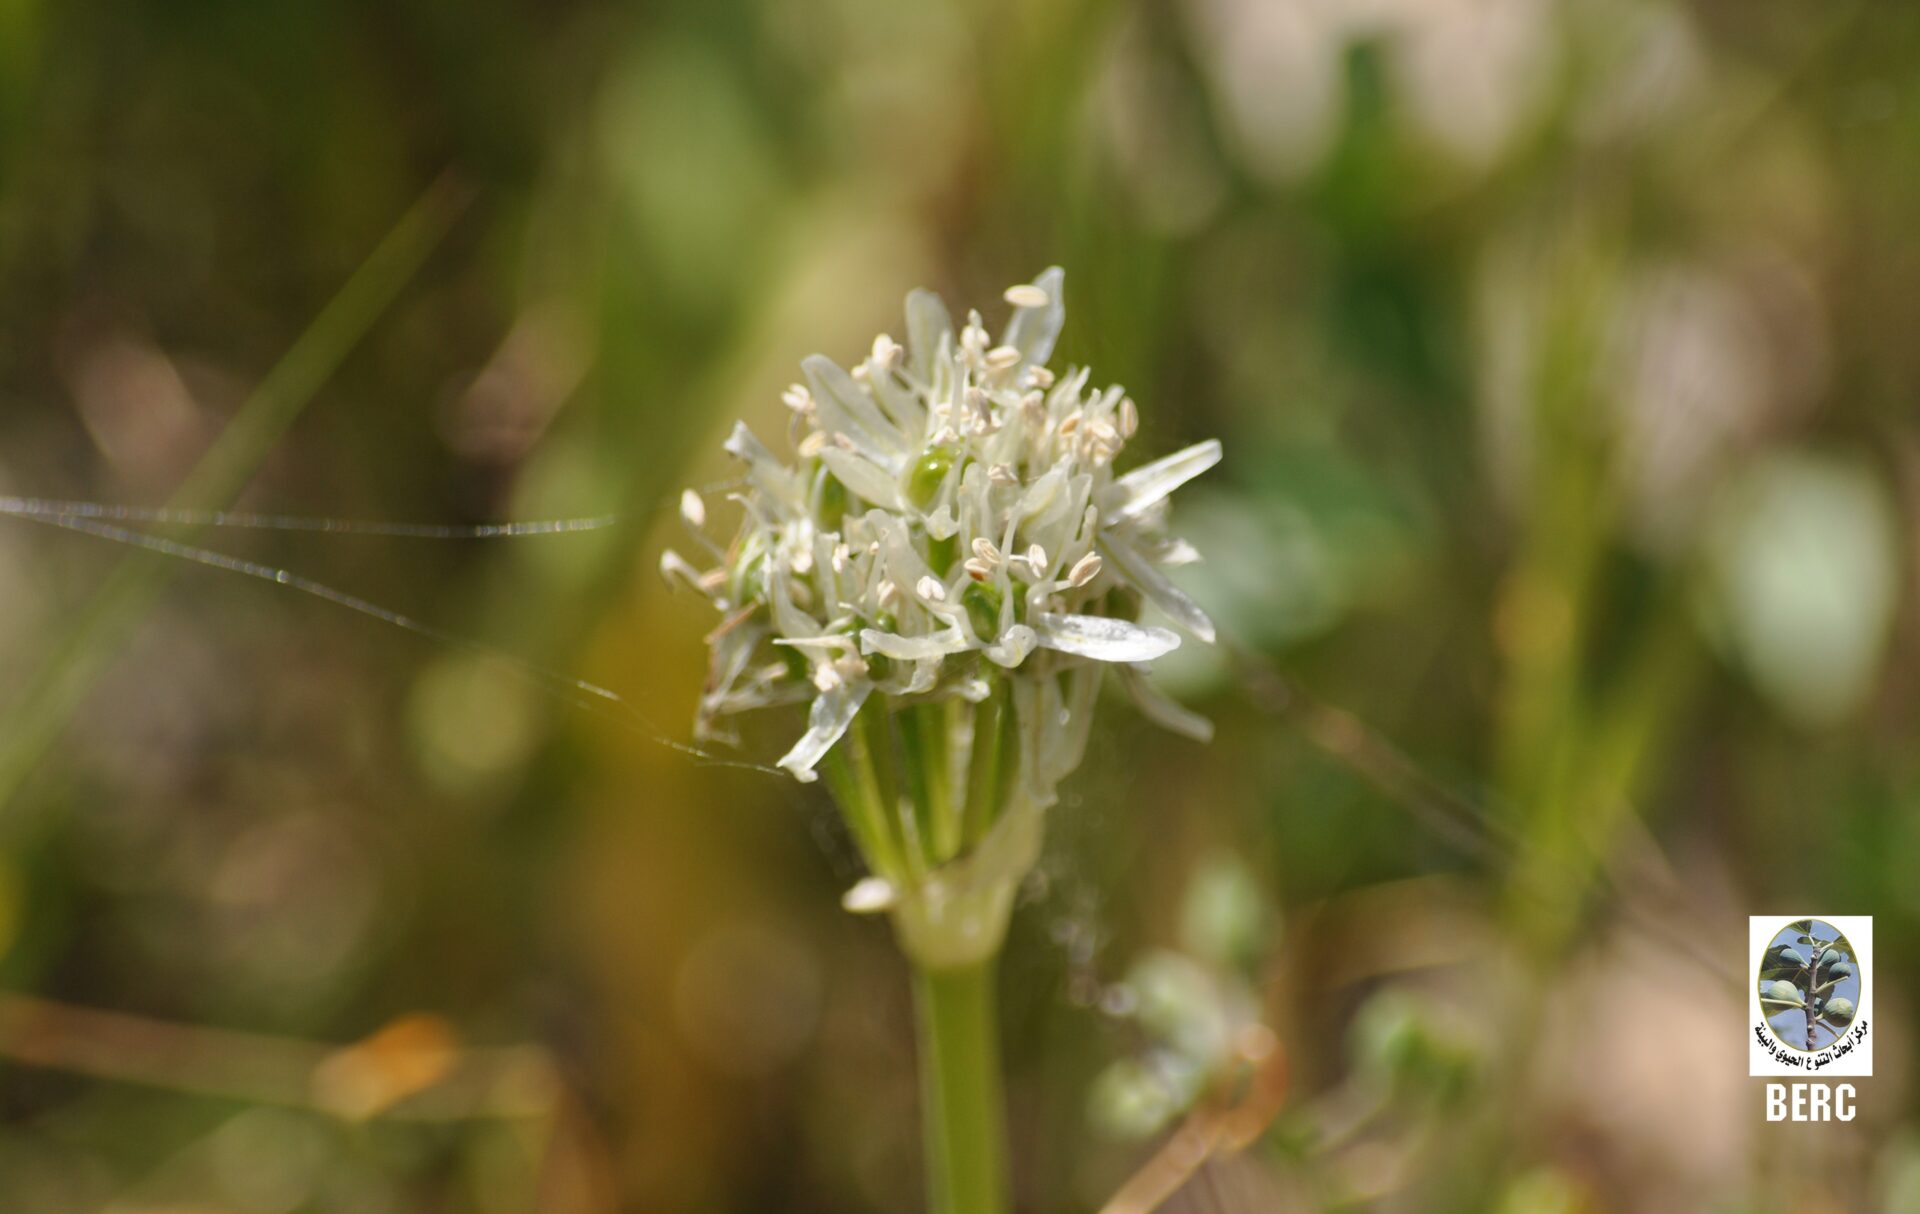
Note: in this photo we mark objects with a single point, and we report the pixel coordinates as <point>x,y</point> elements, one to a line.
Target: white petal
<point>925,674</point>
<point>1042,492</point>
<point>1178,552</point>
<point>863,477</point>
<point>927,323</point>
<point>912,649</point>
<point>1032,330</point>
<point>1075,697</point>
<point>1154,584</point>
<point>912,679</point>
<point>768,474</point>
<point>1137,490</point>
<point>1160,708</point>
<point>1014,646</point>
<point>741,444</point>
<point>904,564</point>
<point>901,405</point>
<point>787,615</point>
<point>1103,638</point>
<point>941,524</point>
<point>828,719</point>
<point>831,640</point>
<point>845,408</point>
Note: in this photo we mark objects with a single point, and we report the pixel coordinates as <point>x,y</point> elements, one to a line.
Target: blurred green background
<point>1564,353</point>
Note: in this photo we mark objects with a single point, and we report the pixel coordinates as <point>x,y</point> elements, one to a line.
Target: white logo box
<point>1850,1055</point>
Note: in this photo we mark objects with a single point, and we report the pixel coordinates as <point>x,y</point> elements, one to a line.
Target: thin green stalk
<point>855,784</point>
<point>923,738</point>
<point>989,764</point>
<point>961,1103</point>
<point>869,834</point>
<point>871,739</point>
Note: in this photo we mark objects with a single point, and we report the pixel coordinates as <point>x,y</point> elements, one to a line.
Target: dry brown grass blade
<point>412,1069</point>
<point>1230,1122</point>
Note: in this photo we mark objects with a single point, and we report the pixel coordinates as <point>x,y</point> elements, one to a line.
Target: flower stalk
<point>960,1099</point>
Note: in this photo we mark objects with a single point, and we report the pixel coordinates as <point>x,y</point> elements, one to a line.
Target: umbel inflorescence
<point>942,572</point>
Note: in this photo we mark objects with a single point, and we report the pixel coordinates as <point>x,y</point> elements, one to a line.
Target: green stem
<point>856,787</point>
<point>923,737</point>
<point>988,767</point>
<point>960,1097</point>
<point>871,740</point>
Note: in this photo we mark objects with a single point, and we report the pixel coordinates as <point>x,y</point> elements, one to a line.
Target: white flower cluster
<point>951,535</point>
<point>951,499</point>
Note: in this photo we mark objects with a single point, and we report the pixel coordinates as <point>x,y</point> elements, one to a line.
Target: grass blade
<point>35,719</point>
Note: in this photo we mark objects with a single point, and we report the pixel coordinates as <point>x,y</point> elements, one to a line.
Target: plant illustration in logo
<point>1809,984</point>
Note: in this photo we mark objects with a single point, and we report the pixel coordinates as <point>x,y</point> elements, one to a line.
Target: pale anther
<point>850,667</point>
<point>973,338</point>
<point>868,895</point>
<point>1084,570</point>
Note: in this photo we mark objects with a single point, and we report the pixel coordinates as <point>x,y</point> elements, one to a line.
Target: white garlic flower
<point>942,575</point>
